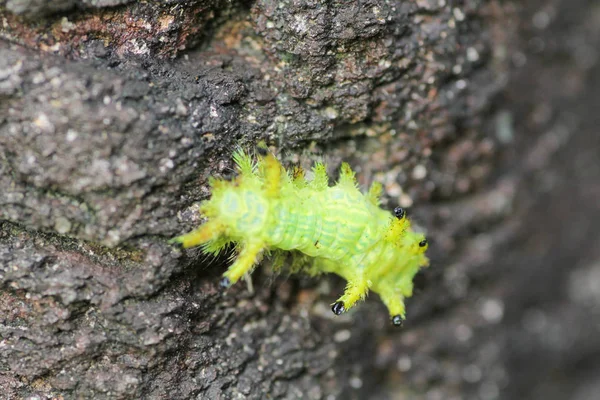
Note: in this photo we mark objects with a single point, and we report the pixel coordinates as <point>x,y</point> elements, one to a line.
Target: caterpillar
<point>328,229</point>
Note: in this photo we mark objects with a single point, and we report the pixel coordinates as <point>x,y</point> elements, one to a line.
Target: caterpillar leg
<point>209,231</point>
<point>243,264</point>
<point>278,259</point>
<point>356,290</point>
<point>394,302</point>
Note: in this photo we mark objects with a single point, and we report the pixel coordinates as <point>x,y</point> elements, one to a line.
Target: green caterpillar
<point>337,229</point>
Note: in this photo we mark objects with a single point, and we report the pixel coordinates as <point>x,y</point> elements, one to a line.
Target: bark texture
<point>479,116</point>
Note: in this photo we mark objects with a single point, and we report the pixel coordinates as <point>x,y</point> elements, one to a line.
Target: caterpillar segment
<point>329,229</point>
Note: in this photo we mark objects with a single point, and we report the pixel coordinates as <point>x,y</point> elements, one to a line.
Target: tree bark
<point>479,117</point>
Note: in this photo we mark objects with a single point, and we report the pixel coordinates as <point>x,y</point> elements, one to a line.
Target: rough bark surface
<point>481,115</point>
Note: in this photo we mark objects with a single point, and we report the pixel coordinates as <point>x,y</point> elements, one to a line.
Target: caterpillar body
<point>335,229</point>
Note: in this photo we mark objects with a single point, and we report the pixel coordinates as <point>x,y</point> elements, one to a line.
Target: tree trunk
<point>479,117</point>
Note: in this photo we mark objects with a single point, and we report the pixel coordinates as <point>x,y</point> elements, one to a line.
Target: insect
<point>329,229</point>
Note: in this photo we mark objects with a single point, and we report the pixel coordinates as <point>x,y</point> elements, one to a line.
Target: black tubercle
<point>399,212</point>
<point>176,244</point>
<point>397,320</point>
<point>423,243</point>
<point>338,308</point>
<point>225,283</point>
